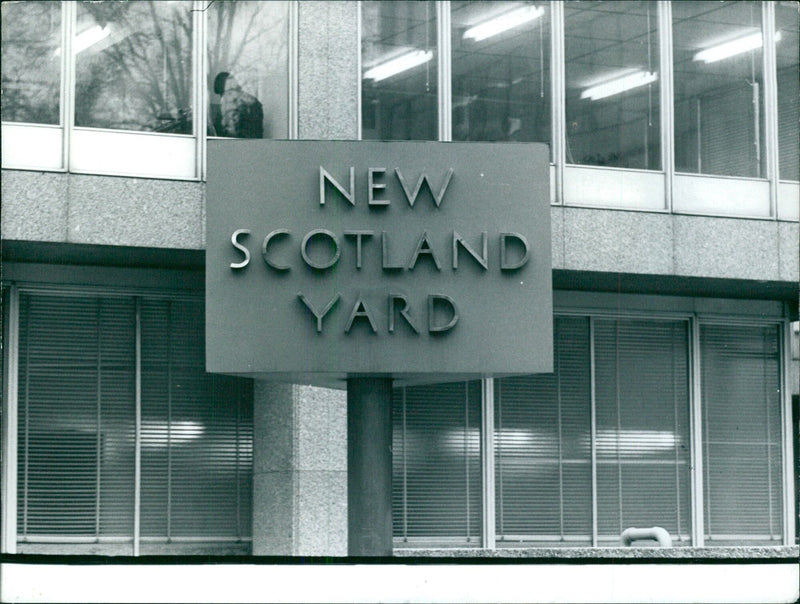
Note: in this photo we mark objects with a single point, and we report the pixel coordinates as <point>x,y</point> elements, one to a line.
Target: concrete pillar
<point>369,466</point>
<point>299,471</point>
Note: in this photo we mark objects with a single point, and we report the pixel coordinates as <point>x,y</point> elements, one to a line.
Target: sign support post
<point>369,466</point>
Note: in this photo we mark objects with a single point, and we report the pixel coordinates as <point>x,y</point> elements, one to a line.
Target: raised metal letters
<point>483,259</point>
<point>411,196</point>
<point>372,186</point>
<point>319,315</point>
<point>393,299</point>
<point>264,250</point>
<point>241,248</point>
<point>348,195</point>
<point>505,265</point>
<point>360,310</point>
<point>433,299</point>
<point>423,241</point>
<point>358,235</point>
<point>320,265</point>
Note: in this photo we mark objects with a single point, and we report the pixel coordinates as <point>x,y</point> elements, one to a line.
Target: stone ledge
<point>588,553</point>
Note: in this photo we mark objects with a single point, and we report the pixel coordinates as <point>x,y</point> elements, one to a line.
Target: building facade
<point>675,197</point>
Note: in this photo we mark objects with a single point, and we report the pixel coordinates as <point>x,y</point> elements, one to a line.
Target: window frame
<point>80,150</point>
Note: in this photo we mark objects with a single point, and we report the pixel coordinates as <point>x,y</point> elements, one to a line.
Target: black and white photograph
<point>400,301</point>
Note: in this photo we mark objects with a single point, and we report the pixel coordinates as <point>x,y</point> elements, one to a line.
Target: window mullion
<point>10,427</point>
<point>137,469</point>
<point>695,428</point>
<point>199,88</point>
<point>445,67</point>
<point>787,448</point>
<point>487,461</point>
<point>770,103</point>
<point>69,11</point>
<point>558,95</point>
<point>593,431</point>
<point>667,107</point>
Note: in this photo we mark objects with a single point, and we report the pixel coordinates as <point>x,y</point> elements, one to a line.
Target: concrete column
<point>369,466</point>
<point>299,471</point>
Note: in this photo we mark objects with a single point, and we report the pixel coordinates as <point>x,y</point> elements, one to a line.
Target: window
<point>501,71</point>
<point>31,84</point>
<point>642,431</point>
<point>78,429</point>
<point>399,71</point>
<point>247,62</point>
<point>788,65</point>
<point>542,442</point>
<point>133,66</point>
<point>719,88</point>
<point>132,74</point>
<point>742,461</point>
<point>612,84</point>
<point>436,478</point>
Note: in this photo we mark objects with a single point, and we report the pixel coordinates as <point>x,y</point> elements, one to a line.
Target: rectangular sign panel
<point>335,259</point>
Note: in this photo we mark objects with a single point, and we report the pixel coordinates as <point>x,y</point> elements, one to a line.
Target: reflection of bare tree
<point>31,65</point>
<point>140,77</point>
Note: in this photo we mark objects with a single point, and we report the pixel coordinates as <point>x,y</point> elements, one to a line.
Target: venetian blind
<point>642,427</point>
<point>741,398</point>
<point>436,484</point>
<point>196,431</point>
<point>542,455</point>
<point>76,416</point>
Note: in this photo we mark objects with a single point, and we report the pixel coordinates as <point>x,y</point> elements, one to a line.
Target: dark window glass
<point>134,66</point>
<point>612,84</point>
<point>31,81</point>
<point>248,69</point>
<point>501,71</point>
<point>787,49</point>
<point>399,71</point>
<point>719,88</point>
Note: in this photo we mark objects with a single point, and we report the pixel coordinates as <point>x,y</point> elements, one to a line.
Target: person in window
<point>241,114</point>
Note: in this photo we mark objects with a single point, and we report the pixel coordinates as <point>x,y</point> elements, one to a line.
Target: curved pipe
<point>629,535</point>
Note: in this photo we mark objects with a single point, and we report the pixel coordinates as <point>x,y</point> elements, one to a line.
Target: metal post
<point>369,466</point>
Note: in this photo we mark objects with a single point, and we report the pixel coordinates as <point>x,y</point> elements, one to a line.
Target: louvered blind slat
<point>741,433</point>
<point>77,423</point>
<point>642,411</point>
<point>436,462</point>
<point>542,454</point>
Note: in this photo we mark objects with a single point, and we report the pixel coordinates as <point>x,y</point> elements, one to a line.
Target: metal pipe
<point>656,533</point>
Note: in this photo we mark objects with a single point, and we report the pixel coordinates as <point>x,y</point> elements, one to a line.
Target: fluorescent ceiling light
<point>88,38</point>
<point>497,25</point>
<point>398,65</point>
<point>619,85</point>
<point>733,48</point>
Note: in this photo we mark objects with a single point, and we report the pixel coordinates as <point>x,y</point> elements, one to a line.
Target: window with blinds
<point>77,423</point>
<point>436,483</point>
<point>642,427</point>
<point>543,489</point>
<point>742,459</point>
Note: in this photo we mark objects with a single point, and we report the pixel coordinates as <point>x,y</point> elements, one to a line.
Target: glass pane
<point>543,471</point>
<point>787,50</point>
<point>642,419</point>
<point>31,62</point>
<point>741,399</point>
<point>134,66</point>
<point>501,71</point>
<point>248,69</point>
<point>436,470</point>
<point>399,73</point>
<point>719,88</point>
<point>612,84</point>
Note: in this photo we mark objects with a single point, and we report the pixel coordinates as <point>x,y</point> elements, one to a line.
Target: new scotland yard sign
<point>328,259</point>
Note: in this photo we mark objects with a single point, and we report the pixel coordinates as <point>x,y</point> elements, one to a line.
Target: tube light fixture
<point>619,85</point>
<point>397,65</point>
<point>509,20</point>
<point>733,47</point>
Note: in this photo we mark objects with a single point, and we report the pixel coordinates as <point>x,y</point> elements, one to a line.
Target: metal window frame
<point>771,134</point>
<point>8,486</point>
